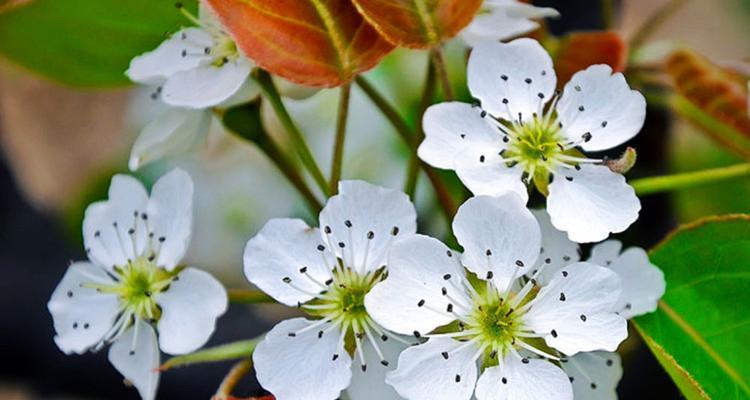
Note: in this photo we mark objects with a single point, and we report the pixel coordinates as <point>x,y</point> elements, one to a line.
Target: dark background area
<point>34,253</point>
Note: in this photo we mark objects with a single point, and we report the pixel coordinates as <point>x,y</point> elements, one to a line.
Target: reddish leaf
<point>582,49</point>
<point>418,23</point>
<point>320,43</point>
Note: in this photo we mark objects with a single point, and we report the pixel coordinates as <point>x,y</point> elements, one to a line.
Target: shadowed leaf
<point>418,23</point>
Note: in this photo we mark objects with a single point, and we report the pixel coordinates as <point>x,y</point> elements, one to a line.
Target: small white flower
<point>521,131</point>
<point>494,318</point>
<point>196,69</point>
<point>133,285</point>
<point>499,20</point>
<point>595,375</point>
<point>327,272</point>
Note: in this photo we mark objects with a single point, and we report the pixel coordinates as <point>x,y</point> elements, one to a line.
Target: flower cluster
<point>516,313</point>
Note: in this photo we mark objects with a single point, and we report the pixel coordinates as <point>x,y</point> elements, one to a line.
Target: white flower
<point>595,375</point>
<point>196,69</point>
<point>521,132</point>
<point>499,20</point>
<point>495,318</point>
<point>133,285</point>
<point>327,273</point>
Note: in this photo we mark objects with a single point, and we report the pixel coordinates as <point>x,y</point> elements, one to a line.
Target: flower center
<point>137,285</point>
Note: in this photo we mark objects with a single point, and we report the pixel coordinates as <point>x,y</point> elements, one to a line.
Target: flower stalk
<point>229,351</point>
<point>441,69</point>
<point>338,146</point>
<point>445,199</point>
<point>240,296</point>
<point>660,184</point>
<point>428,95</point>
<point>298,140</point>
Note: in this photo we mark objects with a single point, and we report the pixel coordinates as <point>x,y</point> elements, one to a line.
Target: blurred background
<point>60,145</point>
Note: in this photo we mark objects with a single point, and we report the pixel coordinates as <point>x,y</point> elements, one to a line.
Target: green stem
<point>338,146</point>
<point>444,197</point>
<point>241,296</point>
<point>229,351</point>
<point>442,71</point>
<point>654,22</point>
<point>239,370</point>
<point>428,95</point>
<point>659,184</point>
<point>298,140</point>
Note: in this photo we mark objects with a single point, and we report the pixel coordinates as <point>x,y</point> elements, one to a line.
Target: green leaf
<point>701,327</point>
<point>84,42</point>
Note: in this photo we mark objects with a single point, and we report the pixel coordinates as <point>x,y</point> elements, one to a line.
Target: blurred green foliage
<point>86,43</point>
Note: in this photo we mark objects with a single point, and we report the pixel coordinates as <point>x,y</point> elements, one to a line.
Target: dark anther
<point>321,247</point>
<point>481,158</point>
<point>292,334</point>
<point>483,114</point>
<point>327,229</point>
<point>370,235</point>
<point>132,352</point>
<point>320,334</point>
<point>420,303</point>
<point>303,270</point>
<point>131,231</point>
<point>444,354</point>
<point>504,77</point>
<point>348,223</point>
<point>581,108</point>
<point>527,80</point>
<point>449,308</point>
<point>566,258</point>
<point>458,378</point>
<point>178,4</point>
<point>488,252</point>
<point>342,245</point>
<point>162,239</point>
<point>286,279</point>
<point>519,263</point>
<point>593,385</point>
<point>490,274</point>
<point>447,276</point>
<point>609,363</point>
<point>384,363</point>
<point>525,360</point>
<point>444,291</point>
<point>504,380</point>
<point>493,354</point>
<point>506,139</point>
<point>586,136</point>
<point>335,356</point>
<point>147,293</point>
<point>75,325</point>
<point>86,325</point>
<point>562,296</point>
<point>554,333</point>
<point>394,231</point>
<point>417,334</point>
<point>565,274</point>
<point>359,335</point>
<point>448,253</point>
<point>604,124</point>
<point>569,178</point>
<point>505,101</point>
<point>571,379</point>
<point>541,95</point>
<point>329,281</point>
<point>583,318</point>
<point>70,293</point>
<point>384,338</point>
<point>184,53</point>
<point>97,234</point>
<point>577,88</point>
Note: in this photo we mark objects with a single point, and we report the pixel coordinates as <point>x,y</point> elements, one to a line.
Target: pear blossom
<point>194,70</point>
<point>521,131</point>
<point>499,20</point>
<point>327,273</point>
<point>491,332</point>
<point>133,293</point>
<point>595,375</point>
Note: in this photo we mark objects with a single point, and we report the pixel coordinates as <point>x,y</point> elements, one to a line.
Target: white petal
<point>485,173</point>
<point>279,251</point>
<point>411,298</point>
<point>513,379</point>
<point>452,128</point>
<point>594,203</point>
<point>595,375</point>
<point>302,367</point>
<point>190,308</point>
<point>424,374</point>
<point>170,215</point>
<point>136,356</point>
<point>370,385</point>
<point>249,91</point>
<point>557,250</point>
<point>520,61</point>
<point>107,224</point>
<point>577,305</point>
<point>605,252</point>
<point>206,86</point>
<point>82,315</point>
<point>357,211</point>
<point>167,59</point>
<point>173,132</point>
<point>498,234</point>
<point>642,282</point>
<point>504,19</point>
<point>597,102</point>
